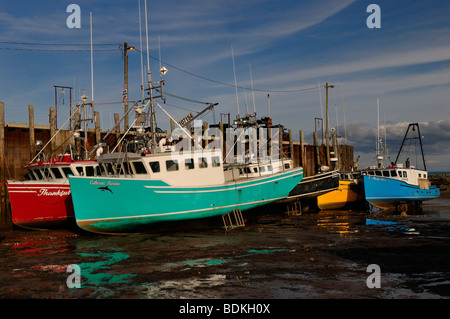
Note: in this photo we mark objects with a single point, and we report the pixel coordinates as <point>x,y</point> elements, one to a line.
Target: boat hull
<point>313,186</point>
<point>40,205</point>
<point>115,205</point>
<point>346,195</point>
<point>388,193</point>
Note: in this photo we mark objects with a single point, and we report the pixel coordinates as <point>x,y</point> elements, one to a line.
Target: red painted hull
<point>40,205</point>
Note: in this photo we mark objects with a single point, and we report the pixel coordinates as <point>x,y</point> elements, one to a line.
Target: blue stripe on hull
<point>388,192</point>
<point>123,204</point>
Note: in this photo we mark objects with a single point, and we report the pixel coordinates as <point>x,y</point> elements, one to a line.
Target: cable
<point>154,58</point>
<point>231,85</point>
<point>56,50</point>
<point>59,44</point>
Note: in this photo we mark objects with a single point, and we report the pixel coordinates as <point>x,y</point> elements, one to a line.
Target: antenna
<point>235,84</point>
<point>253,92</point>
<point>149,74</point>
<point>343,112</point>
<point>142,63</point>
<point>92,64</point>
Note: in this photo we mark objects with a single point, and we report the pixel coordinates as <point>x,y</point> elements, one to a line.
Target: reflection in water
<point>439,207</point>
<point>337,221</point>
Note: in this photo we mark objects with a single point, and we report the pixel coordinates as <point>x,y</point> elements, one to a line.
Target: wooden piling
<point>3,210</point>
<point>52,128</point>
<point>317,153</point>
<point>31,130</point>
<point>97,127</point>
<point>302,150</point>
<point>291,145</point>
<point>117,130</point>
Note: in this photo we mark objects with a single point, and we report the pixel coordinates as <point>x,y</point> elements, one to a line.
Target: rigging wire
<point>149,56</point>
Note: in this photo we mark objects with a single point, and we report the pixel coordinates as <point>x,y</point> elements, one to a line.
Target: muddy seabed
<point>322,255</point>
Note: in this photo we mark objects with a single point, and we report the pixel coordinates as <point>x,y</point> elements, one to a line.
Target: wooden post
<point>327,149</point>
<point>302,150</point>
<point>52,129</point>
<point>336,151</point>
<point>97,127</point>
<point>31,130</point>
<point>317,151</point>
<point>117,130</point>
<point>280,142</point>
<point>3,211</point>
<point>291,146</point>
<point>222,139</point>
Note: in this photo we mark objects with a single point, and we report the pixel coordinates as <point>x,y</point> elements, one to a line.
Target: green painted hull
<point>111,205</point>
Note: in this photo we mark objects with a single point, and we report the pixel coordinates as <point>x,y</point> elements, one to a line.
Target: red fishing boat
<point>44,201</point>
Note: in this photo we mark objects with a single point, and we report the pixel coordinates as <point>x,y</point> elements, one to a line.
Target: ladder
<point>294,208</point>
<point>228,221</point>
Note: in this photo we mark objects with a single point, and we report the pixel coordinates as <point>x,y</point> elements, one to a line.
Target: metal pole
<point>125,81</point>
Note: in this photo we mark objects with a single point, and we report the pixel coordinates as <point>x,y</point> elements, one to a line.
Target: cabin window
<point>378,173</point>
<point>172,166</point>
<point>155,167</point>
<point>30,175</point>
<point>38,173</point>
<point>56,172</point>
<point>393,173</point>
<point>189,163</point>
<point>90,171</point>
<point>247,170</point>
<point>109,169</point>
<point>47,173</point>
<point>67,171</point>
<point>370,173</point>
<point>420,175</point>
<point>255,169</point>
<point>123,169</point>
<point>262,169</point>
<point>80,170</point>
<point>202,162</point>
<point>270,168</point>
<point>386,173</point>
<point>241,172</point>
<point>139,168</point>
<point>424,175</point>
<point>286,166</point>
<point>404,174</point>
<point>216,161</point>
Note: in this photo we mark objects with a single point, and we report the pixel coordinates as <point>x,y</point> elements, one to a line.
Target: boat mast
<point>420,141</point>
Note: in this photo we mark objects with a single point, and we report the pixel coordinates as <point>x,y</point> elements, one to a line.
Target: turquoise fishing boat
<point>135,191</point>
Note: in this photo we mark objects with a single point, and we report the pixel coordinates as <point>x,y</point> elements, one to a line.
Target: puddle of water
<point>439,207</point>
<point>89,270</point>
<point>204,262</point>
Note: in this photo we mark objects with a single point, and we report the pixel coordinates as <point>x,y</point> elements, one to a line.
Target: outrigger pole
<point>420,141</point>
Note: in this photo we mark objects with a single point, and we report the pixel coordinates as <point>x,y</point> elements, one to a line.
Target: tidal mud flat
<point>323,255</point>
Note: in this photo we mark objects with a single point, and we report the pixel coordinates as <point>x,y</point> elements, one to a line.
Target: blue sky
<point>290,45</point>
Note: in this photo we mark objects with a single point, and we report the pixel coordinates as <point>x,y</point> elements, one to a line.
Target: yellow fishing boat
<point>347,195</point>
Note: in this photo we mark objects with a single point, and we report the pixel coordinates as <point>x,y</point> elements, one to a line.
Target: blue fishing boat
<point>135,191</point>
<point>398,186</point>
